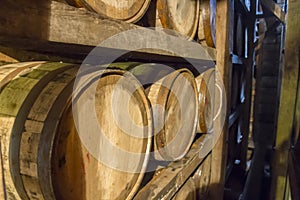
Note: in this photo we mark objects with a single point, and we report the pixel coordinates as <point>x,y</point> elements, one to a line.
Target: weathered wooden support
<point>50,26</point>
<point>170,179</point>
<point>223,67</point>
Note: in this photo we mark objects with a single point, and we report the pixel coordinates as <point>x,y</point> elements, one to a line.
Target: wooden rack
<point>57,38</point>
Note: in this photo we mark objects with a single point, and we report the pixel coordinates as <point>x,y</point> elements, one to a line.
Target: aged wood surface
<point>32,166</point>
<point>130,11</point>
<point>63,25</point>
<point>179,15</point>
<point>196,187</point>
<point>116,150</point>
<point>171,178</point>
<point>207,23</point>
<point>14,54</point>
<point>223,67</point>
<point>287,101</point>
<point>206,84</point>
<point>177,94</point>
<point>173,96</point>
<point>6,58</point>
<point>15,101</point>
<point>8,73</point>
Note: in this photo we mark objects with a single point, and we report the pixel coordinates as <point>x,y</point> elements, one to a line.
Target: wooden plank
<point>16,55</point>
<point>170,179</point>
<point>219,153</point>
<point>41,22</point>
<point>274,9</point>
<point>23,49</point>
<point>287,101</point>
<point>6,58</point>
<point>196,187</point>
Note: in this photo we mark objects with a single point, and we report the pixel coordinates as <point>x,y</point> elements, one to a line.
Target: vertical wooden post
<point>290,74</point>
<point>219,153</point>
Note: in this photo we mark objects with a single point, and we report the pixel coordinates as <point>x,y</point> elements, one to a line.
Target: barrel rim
<point>131,19</point>
<point>146,103</point>
<point>160,138</point>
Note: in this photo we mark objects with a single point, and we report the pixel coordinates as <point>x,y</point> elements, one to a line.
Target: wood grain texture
<point>174,101</point>
<point>207,23</point>
<point>129,11</point>
<point>15,101</point>
<point>66,31</point>
<point>223,67</point>
<point>205,83</point>
<point>179,15</point>
<point>6,58</point>
<point>113,162</point>
<point>33,147</point>
<point>13,71</point>
<point>18,55</point>
<point>187,191</point>
<point>169,180</point>
<point>196,187</point>
<point>9,72</point>
<point>57,22</point>
<point>177,95</point>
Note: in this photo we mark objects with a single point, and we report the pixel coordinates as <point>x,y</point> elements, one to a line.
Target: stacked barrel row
<point>192,19</point>
<point>71,132</point>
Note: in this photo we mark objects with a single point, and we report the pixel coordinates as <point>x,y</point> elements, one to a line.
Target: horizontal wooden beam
<point>42,25</point>
<point>170,179</point>
<point>274,9</point>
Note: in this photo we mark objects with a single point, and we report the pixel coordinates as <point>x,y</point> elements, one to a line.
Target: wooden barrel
<point>180,101</point>
<point>174,100</point>
<point>40,144</point>
<point>16,99</point>
<point>179,15</point>
<point>100,179</point>
<point>8,72</point>
<point>130,11</point>
<point>207,23</point>
<point>205,83</point>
